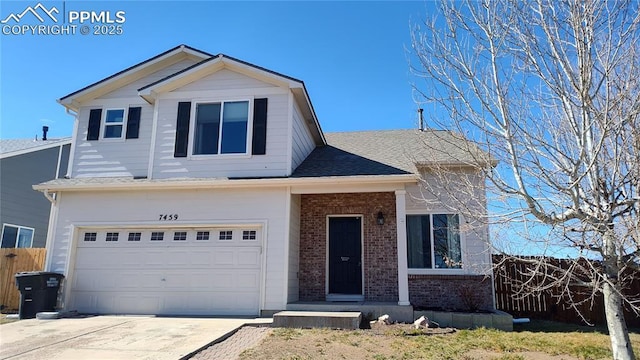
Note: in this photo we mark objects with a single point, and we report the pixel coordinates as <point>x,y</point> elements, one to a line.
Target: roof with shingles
<point>362,153</point>
<point>8,146</point>
<point>387,152</point>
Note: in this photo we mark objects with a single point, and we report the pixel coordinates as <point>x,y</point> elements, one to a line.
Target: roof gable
<point>131,74</point>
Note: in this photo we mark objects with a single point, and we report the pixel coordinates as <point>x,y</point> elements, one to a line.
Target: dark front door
<point>345,260</point>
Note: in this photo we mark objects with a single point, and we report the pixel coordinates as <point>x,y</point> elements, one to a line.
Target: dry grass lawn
<point>535,341</point>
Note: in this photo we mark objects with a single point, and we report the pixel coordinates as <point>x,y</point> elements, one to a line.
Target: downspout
<point>72,148</point>
<point>50,197</point>
<point>53,218</point>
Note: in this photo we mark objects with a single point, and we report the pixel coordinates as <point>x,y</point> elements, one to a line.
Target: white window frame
<point>192,128</point>
<point>33,234</point>
<point>103,133</point>
<point>439,271</point>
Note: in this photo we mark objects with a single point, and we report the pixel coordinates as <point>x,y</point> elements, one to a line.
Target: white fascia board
<point>70,103</point>
<point>301,183</point>
<point>34,149</point>
<point>207,68</point>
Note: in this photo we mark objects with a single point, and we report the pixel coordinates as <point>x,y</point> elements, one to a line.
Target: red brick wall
<point>451,292</point>
<point>380,267</point>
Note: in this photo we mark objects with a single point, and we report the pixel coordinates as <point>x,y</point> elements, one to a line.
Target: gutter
<point>226,183</point>
<point>49,196</point>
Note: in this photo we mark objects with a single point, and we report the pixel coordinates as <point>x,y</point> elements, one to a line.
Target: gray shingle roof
<point>385,152</point>
<point>20,145</point>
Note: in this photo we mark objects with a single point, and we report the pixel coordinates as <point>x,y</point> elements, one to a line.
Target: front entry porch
<point>370,309</point>
<point>352,248</point>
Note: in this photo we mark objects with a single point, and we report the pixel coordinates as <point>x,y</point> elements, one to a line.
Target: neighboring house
<point>203,185</point>
<point>24,213</point>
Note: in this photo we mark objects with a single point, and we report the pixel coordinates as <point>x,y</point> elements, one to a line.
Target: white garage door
<point>168,271</point>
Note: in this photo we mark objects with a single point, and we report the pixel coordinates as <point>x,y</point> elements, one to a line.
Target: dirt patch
<point>386,342</point>
<point>478,354</point>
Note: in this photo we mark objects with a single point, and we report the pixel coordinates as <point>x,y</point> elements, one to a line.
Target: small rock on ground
<point>229,349</point>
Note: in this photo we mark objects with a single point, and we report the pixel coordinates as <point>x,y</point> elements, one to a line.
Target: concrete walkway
<point>113,337</point>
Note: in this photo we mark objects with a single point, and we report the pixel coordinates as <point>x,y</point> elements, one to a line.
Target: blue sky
<point>351,55</point>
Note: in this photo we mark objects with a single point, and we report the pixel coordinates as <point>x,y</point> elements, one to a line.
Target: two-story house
<point>204,185</point>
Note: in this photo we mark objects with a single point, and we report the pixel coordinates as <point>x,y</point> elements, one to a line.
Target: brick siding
<point>451,292</point>
<point>380,267</point>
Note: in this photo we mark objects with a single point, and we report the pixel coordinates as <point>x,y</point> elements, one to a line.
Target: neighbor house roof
<point>388,152</point>
<point>14,147</point>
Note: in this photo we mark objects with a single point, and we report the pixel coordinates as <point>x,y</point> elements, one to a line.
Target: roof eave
<point>69,101</point>
<point>229,183</point>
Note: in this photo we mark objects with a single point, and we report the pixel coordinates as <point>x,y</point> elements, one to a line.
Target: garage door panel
<point>247,280</point>
<point>249,257</point>
<point>191,277</point>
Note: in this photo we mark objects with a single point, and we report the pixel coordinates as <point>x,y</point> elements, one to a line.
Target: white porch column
<point>401,234</point>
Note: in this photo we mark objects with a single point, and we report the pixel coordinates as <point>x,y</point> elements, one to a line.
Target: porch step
<point>317,319</point>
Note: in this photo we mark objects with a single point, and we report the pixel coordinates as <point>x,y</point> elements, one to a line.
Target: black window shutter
<point>93,131</point>
<point>133,122</point>
<point>259,142</point>
<point>182,129</point>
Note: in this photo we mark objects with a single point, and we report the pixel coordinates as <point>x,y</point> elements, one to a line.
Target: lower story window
<point>202,235</point>
<point>180,236</point>
<point>157,236</point>
<point>433,241</point>
<point>134,236</point>
<point>90,236</point>
<point>225,235</point>
<point>112,236</point>
<point>14,236</point>
<point>249,235</point>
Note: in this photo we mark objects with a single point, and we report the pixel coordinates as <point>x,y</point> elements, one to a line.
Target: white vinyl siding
<point>203,208</point>
<point>476,254</point>
<point>302,143</point>
<point>118,157</point>
<point>294,249</point>
<point>224,80</point>
<point>112,157</point>
<point>273,163</point>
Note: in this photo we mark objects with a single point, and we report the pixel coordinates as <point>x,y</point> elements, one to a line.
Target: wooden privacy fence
<point>12,261</point>
<point>551,303</point>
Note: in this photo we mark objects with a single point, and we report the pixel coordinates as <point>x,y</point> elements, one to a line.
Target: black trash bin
<point>38,292</point>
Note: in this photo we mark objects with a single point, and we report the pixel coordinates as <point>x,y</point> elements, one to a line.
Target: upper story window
<point>113,123</point>
<point>433,242</point>
<point>109,124</point>
<point>221,128</point>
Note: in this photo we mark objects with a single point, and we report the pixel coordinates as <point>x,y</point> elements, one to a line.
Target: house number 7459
<point>168,217</point>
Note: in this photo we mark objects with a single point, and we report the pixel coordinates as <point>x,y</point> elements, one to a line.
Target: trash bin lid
<point>38,273</point>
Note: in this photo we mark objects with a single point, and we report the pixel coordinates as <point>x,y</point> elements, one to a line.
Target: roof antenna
<point>420,120</point>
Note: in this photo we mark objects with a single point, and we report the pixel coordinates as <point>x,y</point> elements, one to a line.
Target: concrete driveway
<point>113,337</point>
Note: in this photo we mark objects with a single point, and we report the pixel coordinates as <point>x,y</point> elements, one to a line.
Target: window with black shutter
<point>182,129</point>
<point>93,130</point>
<point>259,143</point>
<point>133,122</point>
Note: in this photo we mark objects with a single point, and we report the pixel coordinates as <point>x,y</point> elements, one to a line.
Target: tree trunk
<point>618,333</point>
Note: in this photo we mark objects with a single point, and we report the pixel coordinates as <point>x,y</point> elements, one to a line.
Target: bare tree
<point>551,90</point>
